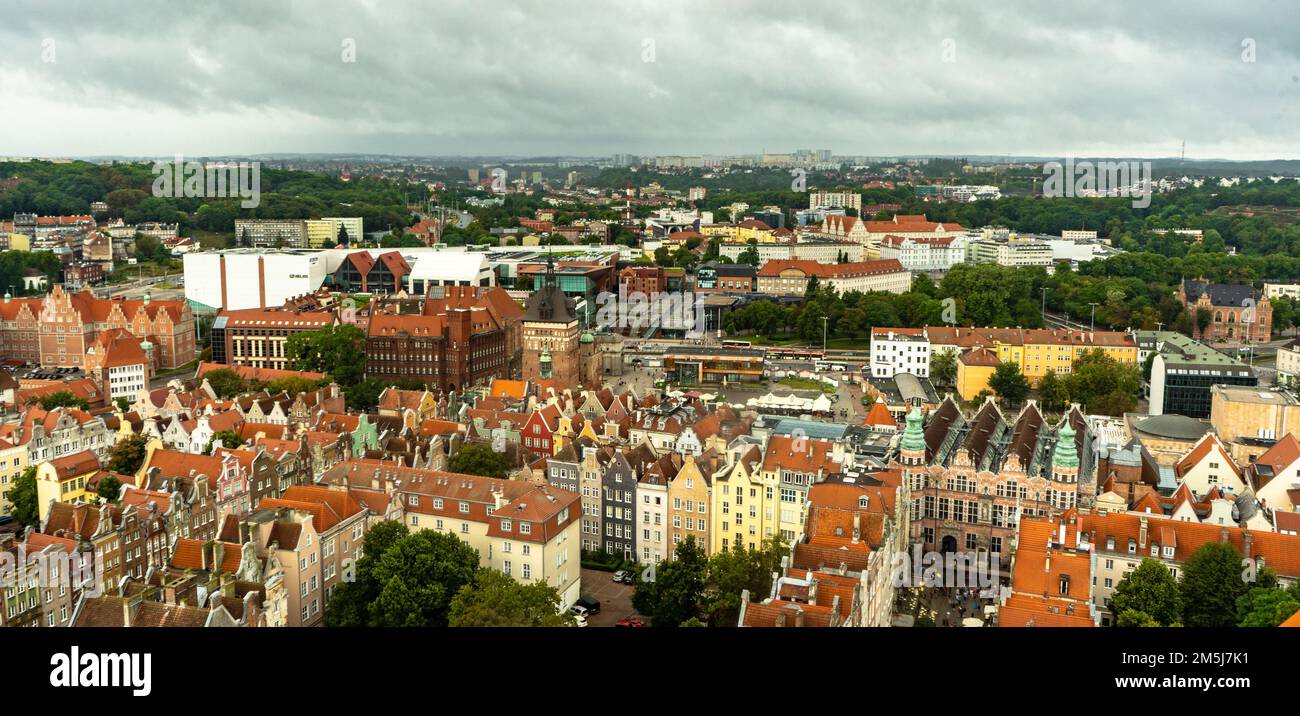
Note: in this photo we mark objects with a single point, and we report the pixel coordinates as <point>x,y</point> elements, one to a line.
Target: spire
<point>913,435</point>
<point>1065,455</point>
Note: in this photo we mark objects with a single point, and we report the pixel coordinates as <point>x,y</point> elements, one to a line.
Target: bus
<point>822,365</point>
<point>788,353</point>
<point>735,344</point>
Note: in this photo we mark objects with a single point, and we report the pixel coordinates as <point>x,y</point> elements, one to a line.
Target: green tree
<point>1052,392</point>
<point>225,382</point>
<point>23,497</point>
<point>230,440</point>
<point>674,595</point>
<point>497,600</point>
<point>291,384</point>
<point>1203,319</point>
<point>1266,604</point>
<point>1151,590</point>
<point>1211,585</point>
<point>478,459</point>
<point>418,576</point>
<point>1135,618</point>
<point>109,488</point>
<point>1009,383</point>
<point>128,454</point>
<point>122,404</point>
<point>351,602</point>
<point>336,350</point>
<point>403,579</point>
<point>63,399</point>
<point>1103,384</point>
<point>943,368</point>
<point>732,571</point>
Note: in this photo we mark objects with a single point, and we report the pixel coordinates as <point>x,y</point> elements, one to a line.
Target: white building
<point>251,278</point>
<point>924,254</point>
<point>899,350</point>
<point>651,519</point>
<point>1013,252</point>
<point>1078,235</point>
<point>257,278</point>
<point>1282,290</point>
<point>835,200</point>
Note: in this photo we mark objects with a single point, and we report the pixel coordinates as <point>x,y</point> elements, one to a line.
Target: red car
<point>629,622</point>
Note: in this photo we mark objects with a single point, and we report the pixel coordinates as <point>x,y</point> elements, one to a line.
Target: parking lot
<point>615,599</point>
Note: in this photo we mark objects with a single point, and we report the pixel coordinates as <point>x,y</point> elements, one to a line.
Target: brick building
<point>464,337</point>
<point>58,330</point>
<point>255,337</point>
<point>1237,313</point>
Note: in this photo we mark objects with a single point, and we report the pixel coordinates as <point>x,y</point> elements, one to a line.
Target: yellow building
<point>13,461</point>
<point>321,233</point>
<point>64,479</point>
<point>690,493</point>
<point>1057,350</point>
<point>738,491</point>
<point>792,464</point>
<point>20,242</point>
<point>974,369</point>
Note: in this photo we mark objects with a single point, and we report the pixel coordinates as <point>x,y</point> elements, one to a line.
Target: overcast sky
<point>649,77</point>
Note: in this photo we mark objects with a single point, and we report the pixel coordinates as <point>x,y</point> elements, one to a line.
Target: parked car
<point>580,620</point>
<point>629,622</point>
<point>591,605</point>
<point>579,611</point>
<point>624,576</point>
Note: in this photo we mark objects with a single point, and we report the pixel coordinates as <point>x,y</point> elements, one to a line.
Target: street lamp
<point>825,322</point>
<point>1044,292</point>
<point>1092,321</point>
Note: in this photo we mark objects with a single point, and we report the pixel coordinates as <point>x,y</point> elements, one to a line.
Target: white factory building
<point>235,279</point>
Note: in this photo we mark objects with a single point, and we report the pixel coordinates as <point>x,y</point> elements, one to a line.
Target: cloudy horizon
<point>464,78</point>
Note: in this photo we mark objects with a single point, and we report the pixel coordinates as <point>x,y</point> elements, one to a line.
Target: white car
<point>579,620</point>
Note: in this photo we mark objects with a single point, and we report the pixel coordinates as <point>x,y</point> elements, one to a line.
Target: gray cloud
<point>561,76</point>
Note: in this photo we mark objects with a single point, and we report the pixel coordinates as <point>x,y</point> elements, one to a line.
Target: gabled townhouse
<point>289,537</point>
<point>340,521</point>
<point>190,489</point>
<point>539,429</point>
<point>149,519</point>
<point>690,493</point>
<point>1275,475</point>
<point>791,464</point>
<point>591,477</point>
<point>742,478</point>
<point>205,426</point>
<point>652,507</point>
<point>618,506</point>
<point>45,581</point>
<point>1209,465</point>
<point>229,576</point>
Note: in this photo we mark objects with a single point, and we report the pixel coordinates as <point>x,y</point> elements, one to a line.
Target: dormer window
<point>1169,552</point>
<point>862,502</point>
<point>506,525</point>
<point>1132,546</point>
<point>1155,550</point>
<point>1110,544</point>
